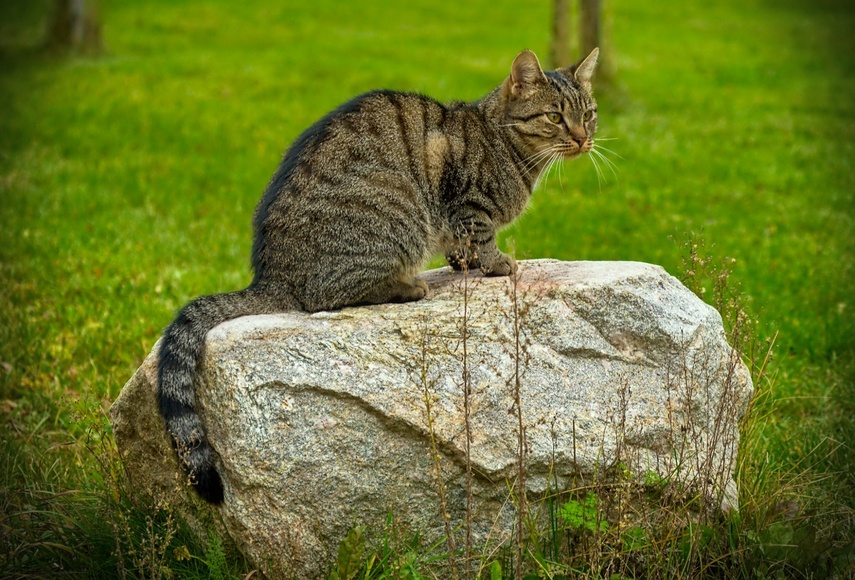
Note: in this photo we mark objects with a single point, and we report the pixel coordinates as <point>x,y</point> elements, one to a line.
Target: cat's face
<point>553,113</point>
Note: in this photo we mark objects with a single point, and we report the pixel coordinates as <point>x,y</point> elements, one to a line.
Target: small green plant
<point>495,571</point>
<point>635,539</point>
<point>351,554</point>
<point>584,515</point>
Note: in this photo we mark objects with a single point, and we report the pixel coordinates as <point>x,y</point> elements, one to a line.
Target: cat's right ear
<point>525,74</point>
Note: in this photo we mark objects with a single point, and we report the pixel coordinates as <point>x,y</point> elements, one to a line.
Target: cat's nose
<point>580,141</point>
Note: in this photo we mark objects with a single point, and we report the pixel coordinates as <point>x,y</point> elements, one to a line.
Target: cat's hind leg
<point>396,290</point>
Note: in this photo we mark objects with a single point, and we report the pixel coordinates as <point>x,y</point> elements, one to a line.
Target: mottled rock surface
<point>320,420</point>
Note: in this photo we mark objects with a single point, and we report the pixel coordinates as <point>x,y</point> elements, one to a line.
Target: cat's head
<point>551,112</point>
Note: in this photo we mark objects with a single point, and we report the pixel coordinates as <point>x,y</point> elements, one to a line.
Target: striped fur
<point>366,196</point>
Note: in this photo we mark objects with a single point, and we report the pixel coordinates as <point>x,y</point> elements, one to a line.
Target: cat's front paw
<point>458,261</point>
<point>503,266</point>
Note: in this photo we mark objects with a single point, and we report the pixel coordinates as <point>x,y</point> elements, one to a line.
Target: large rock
<point>321,420</point>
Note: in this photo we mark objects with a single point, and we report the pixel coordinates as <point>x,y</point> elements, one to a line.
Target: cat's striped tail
<point>180,352</point>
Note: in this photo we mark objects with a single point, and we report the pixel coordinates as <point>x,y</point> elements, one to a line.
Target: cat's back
<point>365,167</point>
<point>380,130</point>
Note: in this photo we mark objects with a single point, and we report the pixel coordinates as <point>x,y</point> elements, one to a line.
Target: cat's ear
<point>583,72</point>
<point>525,74</point>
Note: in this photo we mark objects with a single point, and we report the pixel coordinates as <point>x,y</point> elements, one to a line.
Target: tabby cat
<point>368,194</point>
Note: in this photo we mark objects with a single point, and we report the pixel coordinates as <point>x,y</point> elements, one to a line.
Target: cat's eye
<point>589,114</point>
<point>554,117</point>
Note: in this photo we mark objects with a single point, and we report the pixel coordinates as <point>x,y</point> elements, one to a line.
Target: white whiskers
<point>552,155</point>
<point>534,160</point>
<point>600,160</point>
<point>554,158</point>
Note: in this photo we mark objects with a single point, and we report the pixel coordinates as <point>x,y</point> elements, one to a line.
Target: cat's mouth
<point>577,147</point>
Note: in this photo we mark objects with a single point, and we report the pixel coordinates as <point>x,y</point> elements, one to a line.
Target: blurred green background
<point>128,180</point>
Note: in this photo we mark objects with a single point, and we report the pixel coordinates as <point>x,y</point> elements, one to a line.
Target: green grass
<point>128,180</point>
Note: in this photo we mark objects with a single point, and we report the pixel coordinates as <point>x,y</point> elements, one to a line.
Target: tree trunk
<point>591,26</point>
<point>76,25</point>
<point>560,49</point>
<point>594,33</point>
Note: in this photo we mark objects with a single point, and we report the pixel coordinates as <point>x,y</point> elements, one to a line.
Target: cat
<point>366,196</point>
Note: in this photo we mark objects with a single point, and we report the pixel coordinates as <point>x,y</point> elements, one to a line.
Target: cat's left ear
<point>585,69</point>
<point>583,72</point>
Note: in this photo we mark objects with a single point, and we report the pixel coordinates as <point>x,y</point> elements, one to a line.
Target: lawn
<point>128,181</point>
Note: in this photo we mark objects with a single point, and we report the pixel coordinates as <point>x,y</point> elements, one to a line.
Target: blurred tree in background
<point>592,21</point>
<point>76,25</point>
